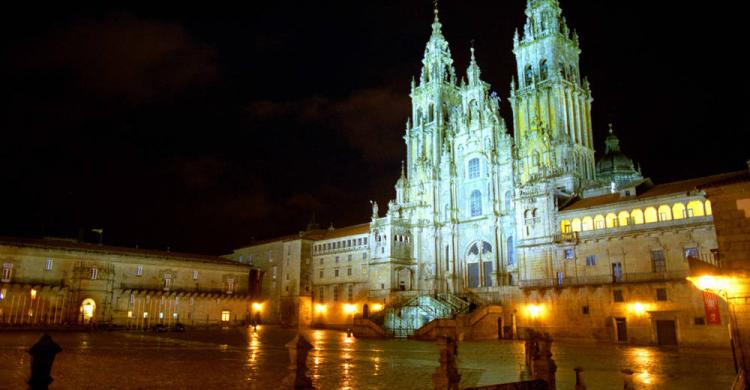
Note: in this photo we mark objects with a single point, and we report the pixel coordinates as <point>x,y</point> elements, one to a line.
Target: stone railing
<point>180,289</point>
<point>588,280</point>
<point>35,282</point>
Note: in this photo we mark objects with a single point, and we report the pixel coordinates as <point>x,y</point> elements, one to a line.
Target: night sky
<point>203,127</point>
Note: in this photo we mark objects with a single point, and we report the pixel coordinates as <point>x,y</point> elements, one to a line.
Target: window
<point>335,293</point>
<point>321,260</point>
<point>350,293</point>
<point>678,211</point>
<point>585,310</point>
<point>336,273</point>
<point>225,315</point>
<point>364,269</point>
<point>275,272</point>
<point>568,253</point>
<point>349,271</point>
<point>349,258</point>
<point>167,281</point>
<point>528,75</point>
<point>591,260</point>
<point>661,294</point>
<point>599,222</point>
<point>132,299</point>
<point>650,215</point>
<point>511,251</point>
<point>130,314</point>
<point>543,70</point>
<point>364,255</point>
<point>320,274</point>
<point>195,275</point>
<point>365,240</point>
<point>658,262</point>
<point>476,203</point>
<point>93,273</point>
<point>138,270</point>
<point>337,259</point>
<point>691,252</point>
<point>617,296</point>
<point>474,168</point>
<point>48,265</point>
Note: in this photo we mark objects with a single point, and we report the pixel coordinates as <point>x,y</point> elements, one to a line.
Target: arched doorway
<point>88,310</point>
<point>479,264</point>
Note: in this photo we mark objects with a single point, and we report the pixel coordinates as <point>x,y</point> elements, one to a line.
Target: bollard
<point>297,377</point>
<point>628,379</point>
<point>42,356</point>
<point>446,376</point>
<point>579,379</point>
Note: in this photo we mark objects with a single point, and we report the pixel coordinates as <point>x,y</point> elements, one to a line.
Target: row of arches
<point>664,212</point>
<point>567,72</point>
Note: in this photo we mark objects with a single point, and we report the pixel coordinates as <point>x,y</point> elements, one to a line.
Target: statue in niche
<point>374,205</point>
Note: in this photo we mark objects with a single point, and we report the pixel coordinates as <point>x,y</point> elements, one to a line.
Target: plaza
<point>241,358</point>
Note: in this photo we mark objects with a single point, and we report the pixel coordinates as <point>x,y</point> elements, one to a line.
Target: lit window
<point>474,168</point>
<point>622,218</point>
<point>3,294</point>
<point>691,252</point>
<point>130,314</point>
<point>576,225</point>
<point>364,269</point>
<point>93,273</point>
<point>678,211</point>
<point>48,265</point>
<point>709,211</point>
<point>650,215</point>
<point>591,260</point>
<point>665,213</point>
<point>174,315</point>
<point>476,203</point>
<point>7,272</point>
<point>145,314</point>
<point>565,226</point>
<point>695,209</point>
<point>161,315</point>
<point>587,224</point>
<point>138,270</point>
<point>637,216</point>
<point>611,220</point>
<point>167,281</point>
<point>599,222</point>
<point>225,315</point>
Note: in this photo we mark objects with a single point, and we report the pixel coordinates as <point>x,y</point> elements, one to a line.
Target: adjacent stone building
<point>56,282</point>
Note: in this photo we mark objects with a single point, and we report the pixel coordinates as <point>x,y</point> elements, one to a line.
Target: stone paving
<point>242,359</point>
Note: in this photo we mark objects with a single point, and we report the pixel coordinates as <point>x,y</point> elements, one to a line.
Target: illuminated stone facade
<point>55,283</point>
<point>530,222</point>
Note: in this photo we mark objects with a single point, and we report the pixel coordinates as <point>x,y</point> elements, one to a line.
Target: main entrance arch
<point>480,258</point>
<point>88,310</point>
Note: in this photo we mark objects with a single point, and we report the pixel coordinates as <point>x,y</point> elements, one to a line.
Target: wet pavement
<point>240,358</point>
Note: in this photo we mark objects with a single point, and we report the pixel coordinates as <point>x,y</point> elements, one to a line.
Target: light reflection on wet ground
<point>240,358</point>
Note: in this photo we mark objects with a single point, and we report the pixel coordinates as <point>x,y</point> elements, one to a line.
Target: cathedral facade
<point>529,222</point>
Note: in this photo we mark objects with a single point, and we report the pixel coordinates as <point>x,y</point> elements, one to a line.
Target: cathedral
<point>508,230</point>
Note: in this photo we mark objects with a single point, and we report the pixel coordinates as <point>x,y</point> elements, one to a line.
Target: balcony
<point>597,280</point>
<point>158,287</point>
<point>35,282</point>
<point>571,237</point>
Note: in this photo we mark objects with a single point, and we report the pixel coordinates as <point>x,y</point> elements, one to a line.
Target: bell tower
<point>551,102</point>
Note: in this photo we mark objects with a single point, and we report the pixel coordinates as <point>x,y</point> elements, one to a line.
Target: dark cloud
<point>371,120</point>
<point>120,57</point>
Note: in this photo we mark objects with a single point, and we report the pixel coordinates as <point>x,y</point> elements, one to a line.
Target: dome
<point>615,166</point>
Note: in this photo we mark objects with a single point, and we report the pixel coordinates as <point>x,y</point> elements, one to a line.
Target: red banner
<point>711,303</point>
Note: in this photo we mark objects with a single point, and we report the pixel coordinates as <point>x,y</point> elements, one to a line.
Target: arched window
<point>529,75</point>
<point>511,251</point>
<point>474,168</point>
<point>543,71</point>
<point>611,220</point>
<point>599,222</point>
<point>587,224</point>
<point>576,225</point>
<point>476,203</point>
<point>622,218</point>
<point>695,209</point>
<point>665,213</point>
<point>650,215</point>
<point>637,216</point>
<point>507,200</point>
<point>708,208</point>
<point>678,211</point>
<point>565,226</point>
